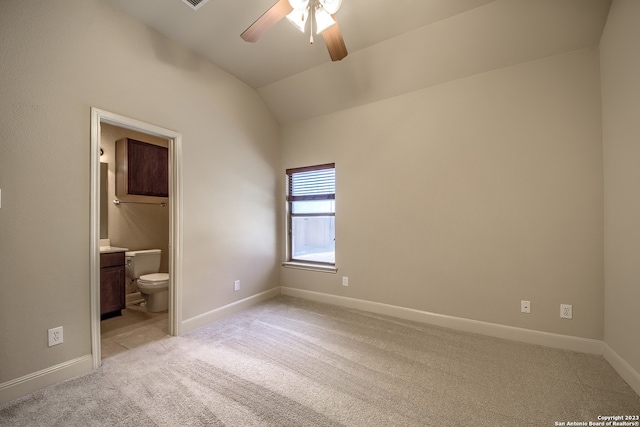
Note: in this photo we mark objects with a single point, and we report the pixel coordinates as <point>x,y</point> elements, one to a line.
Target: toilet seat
<point>154,279</point>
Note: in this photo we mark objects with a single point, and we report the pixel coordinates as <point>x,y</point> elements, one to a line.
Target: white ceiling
<point>395,46</point>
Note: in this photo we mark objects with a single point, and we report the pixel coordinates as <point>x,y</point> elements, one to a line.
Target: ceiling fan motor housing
<point>331,6</point>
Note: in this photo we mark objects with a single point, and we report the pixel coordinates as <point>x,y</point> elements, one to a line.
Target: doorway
<point>98,118</point>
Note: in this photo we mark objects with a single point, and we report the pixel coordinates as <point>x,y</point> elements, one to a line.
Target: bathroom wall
<point>134,226</point>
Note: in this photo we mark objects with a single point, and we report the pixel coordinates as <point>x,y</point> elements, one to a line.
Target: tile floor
<point>134,328</point>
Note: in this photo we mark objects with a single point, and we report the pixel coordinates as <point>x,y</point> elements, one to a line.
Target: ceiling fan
<point>319,14</point>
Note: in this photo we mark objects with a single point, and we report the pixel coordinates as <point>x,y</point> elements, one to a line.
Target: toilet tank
<point>138,263</point>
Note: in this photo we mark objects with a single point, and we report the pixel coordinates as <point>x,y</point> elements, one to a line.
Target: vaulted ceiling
<point>395,46</point>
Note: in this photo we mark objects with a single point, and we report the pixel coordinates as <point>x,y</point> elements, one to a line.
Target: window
<point>311,214</point>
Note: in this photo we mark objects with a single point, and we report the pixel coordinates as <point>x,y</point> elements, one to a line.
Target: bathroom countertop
<point>111,249</point>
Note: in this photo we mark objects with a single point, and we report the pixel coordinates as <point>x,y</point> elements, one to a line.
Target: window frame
<point>290,260</point>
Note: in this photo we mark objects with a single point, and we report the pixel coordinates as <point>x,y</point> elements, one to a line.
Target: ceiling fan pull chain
<point>312,18</point>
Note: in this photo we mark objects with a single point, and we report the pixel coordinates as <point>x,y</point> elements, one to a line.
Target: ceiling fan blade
<point>335,43</point>
<point>268,19</point>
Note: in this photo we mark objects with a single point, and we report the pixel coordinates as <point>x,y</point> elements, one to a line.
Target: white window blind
<point>312,183</point>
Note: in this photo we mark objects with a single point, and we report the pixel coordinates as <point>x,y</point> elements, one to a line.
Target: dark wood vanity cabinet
<point>142,169</point>
<point>112,284</point>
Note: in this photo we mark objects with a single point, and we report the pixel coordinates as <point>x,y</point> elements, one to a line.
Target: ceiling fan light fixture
<point>299,18</point>
<point>331,6</point>
<point>323,20</point>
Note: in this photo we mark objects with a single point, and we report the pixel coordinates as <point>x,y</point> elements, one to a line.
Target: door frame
<point>98,117</point>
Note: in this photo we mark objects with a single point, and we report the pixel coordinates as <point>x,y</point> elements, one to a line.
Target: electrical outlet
<point>236,285</point>
<point>345,281</point>
<point>566,311</point>
<point>55,336</point>
<point>525,306</point>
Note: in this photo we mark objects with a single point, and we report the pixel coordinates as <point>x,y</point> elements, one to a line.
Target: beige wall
<point>619,47</point>
<point>59,58</point>
<point>466,197</point>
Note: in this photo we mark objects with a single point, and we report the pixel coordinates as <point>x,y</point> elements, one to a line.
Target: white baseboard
<point>133,298</point>
<point>208,317</point>
<point>35,381</point>
<point>32,382</point>
<point>626,371</point>
<point>565,342</point>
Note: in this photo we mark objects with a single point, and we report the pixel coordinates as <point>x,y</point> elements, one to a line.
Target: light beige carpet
<point>291,362</point>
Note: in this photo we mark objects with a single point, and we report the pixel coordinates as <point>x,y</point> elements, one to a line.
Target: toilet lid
<point>154,278</point>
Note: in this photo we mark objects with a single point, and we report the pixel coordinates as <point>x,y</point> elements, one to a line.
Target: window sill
<point>312,267</point>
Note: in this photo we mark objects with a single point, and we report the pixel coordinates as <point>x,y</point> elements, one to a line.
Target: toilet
<point>143,267</point>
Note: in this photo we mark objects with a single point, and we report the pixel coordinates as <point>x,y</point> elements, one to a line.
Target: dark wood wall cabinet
<point>142,169</point>
<point>112,284</point>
